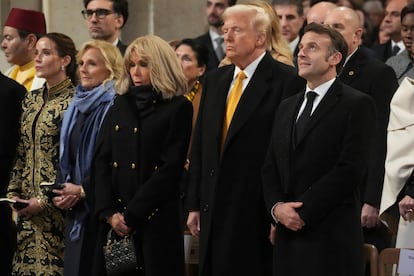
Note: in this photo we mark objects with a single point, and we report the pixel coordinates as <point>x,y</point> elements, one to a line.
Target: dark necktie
<point>306,114</point>
<point>395,50</point>
<point>219,49</point>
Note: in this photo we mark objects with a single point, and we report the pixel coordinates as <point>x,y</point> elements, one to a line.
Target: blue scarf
<point>95,103</point>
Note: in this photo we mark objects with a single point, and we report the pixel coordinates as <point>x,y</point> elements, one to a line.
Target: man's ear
<point>335,58</point>
<point>119,22</point>
<point>261,39</point>
<point>31,41</point>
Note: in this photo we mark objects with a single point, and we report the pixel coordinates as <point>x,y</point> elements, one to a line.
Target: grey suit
<point>402,65</point>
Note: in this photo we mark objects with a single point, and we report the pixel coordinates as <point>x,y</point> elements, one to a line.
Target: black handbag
<point>120,256</point>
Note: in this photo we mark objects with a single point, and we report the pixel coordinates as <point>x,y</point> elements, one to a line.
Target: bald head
<point>318,12</point>
<point>347,22</point>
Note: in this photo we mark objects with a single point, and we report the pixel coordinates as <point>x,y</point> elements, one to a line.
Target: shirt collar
<point>322,89</point>
<point>293,44</point>
<point>250,69</point>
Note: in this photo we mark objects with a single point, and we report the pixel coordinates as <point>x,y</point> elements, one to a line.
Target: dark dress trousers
<point>225,182</point>
<point>11,95</point>
<point>213,60</point>
<point>324,171</point>
<point>371,76</point>
<point>140,157</point>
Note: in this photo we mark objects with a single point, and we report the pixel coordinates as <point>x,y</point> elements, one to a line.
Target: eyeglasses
<point>99,13</point>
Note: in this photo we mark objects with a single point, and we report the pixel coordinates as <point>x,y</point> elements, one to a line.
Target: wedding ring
<point>409,210</point>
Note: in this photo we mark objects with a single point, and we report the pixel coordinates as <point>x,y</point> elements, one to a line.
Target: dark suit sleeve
<point>11,96</point>
<point>102,171</point>
<point>271,179</point>
<point>340,183</point>
<point>192,199</point>
<point>384,87</point>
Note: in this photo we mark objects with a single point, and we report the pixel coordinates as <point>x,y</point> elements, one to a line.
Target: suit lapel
<point>352,69</point>
<point>328,102</point>
<point>252,97</point>
<point>219,96</point>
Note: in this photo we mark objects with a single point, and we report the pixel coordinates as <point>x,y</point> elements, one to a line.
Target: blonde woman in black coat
<point>140,155</point>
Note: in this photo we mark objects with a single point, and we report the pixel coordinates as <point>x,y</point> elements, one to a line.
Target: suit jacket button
<point>205,208</point>
<point>212,173</point>
<point>115,165</point>
<point>116,128</point>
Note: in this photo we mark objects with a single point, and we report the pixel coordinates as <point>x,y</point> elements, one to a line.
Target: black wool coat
<point>324,171</point>
<point>140,156</point>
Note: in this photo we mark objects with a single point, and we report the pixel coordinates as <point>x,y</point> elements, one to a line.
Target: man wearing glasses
<point>105,19</point>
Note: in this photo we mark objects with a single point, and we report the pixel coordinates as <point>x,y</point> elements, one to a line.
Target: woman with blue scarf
<point>101,75</point>
<point>140,155</point>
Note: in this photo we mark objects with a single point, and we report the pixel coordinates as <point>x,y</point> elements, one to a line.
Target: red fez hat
<point>27,20</point>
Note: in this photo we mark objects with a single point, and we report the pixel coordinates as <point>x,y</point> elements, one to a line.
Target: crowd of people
<point>282,133</point>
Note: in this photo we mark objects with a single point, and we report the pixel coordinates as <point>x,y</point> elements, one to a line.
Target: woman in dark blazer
<point>140,156</point>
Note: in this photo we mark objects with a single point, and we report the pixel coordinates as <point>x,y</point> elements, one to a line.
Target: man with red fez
<point>20,33</point>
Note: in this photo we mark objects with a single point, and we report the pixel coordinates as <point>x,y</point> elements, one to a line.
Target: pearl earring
<point>62,68</point>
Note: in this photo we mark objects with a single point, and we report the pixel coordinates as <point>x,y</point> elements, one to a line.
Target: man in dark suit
<point>392,25</point>
<point>213,39</point>
<point>365,73</point>
<point>105,19</point>
<point>225,196</point>
<point>291,18</point>
<point>316,162</point>
<point>11,95</point>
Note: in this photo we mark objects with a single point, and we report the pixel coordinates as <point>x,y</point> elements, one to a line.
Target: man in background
<point>392,25</point>
<point>20,34</point>
<point>362,71</point>
<point>105,20</point>
<point>291,20</point>
<point>213,39</point>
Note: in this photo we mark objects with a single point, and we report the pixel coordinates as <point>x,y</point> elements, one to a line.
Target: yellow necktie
<point>232,101</point>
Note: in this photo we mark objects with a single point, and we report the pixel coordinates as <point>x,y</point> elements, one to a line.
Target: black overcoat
<point>324,171</point>
<point>140,156</point>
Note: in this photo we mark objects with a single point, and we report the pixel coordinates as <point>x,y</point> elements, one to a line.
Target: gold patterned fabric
<point>39,237</point>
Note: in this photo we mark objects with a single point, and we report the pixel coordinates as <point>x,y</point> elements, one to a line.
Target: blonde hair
<point>278,46</point>
<point>166,73</point>
<point>260,20</point>
<point>269,24</point>
<point>113,62</point>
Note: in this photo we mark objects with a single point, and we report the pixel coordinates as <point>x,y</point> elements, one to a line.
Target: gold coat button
<point>115,165</point>
<point>135,129</point>
<point>116,128</point>
<point>133,166</point>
